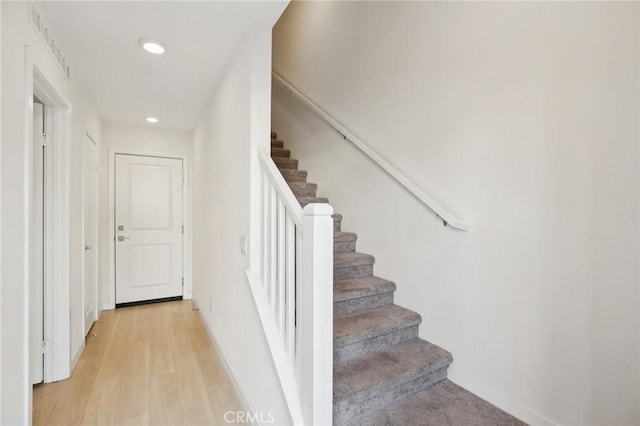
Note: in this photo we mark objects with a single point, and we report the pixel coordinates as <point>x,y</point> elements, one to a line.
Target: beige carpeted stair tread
<point>444,404</point>
<point>351,328</point>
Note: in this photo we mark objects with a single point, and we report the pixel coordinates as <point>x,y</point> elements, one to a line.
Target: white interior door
<point>36,220</point>
<point>148,228</point>
<point>90,179</point>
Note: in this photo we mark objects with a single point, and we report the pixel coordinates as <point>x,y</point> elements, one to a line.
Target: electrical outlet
<point>243,244</point>
<point>211,303</point>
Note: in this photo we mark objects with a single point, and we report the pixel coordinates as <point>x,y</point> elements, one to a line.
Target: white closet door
<point>36,279</point>
<point>90,233</point>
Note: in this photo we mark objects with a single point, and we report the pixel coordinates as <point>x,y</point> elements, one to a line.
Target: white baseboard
<point>187,296</point>
<point>107,306</point>
<point>223,360</point>
<point>76,357</point>
<point>506,404</point>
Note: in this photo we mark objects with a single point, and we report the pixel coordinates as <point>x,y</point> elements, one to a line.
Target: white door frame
<point>57,359</point>
<point>42,122</point>
<point>86,133</point>
<point>186,215</point>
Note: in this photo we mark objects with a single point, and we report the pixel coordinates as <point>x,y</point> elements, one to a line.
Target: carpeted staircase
<point>384,374</point>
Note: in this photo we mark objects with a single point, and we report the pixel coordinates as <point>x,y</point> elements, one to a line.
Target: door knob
<point>87,247</point>
<point>121,238</point>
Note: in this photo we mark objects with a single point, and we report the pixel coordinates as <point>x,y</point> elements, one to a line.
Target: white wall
<point>225,141</point>
<point>133,139</point>
<point>521,117</point>
<point>16,33</point>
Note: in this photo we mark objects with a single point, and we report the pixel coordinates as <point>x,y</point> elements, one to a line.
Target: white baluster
<point>298,307</point>
<point>290,257</point>
<point>280,312</point>
<point>265,228</point>
<point>273,235</point>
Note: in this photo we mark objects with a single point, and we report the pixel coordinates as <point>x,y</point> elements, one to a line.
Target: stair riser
<point>298,176</point>
<point>304,185</point>
<point>277,144</point>
<point>344,246</point>
<point>303,202</point>
<point>350,272</point>
<point>295,178</point>
<point>359,349</point>
<point>274,135</point>
<point>304,192</point>
<point>361,303</point>
<point>337,224</point>
<point>286,163</point>
<point>280,153</point>
<point>350,411</point>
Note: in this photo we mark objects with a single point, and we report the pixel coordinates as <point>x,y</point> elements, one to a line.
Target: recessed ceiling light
<point>152,119</point>
<point>151,46</point>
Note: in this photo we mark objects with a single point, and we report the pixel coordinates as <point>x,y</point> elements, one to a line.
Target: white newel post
<point>317,315</point>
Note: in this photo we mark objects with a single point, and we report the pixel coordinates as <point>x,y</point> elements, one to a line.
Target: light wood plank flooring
<point>146,365</point>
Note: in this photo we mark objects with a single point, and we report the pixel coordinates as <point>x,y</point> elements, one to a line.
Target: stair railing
<point>295,297</point>
<point>447,217</point>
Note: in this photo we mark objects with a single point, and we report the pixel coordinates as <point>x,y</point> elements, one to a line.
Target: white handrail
<point>447,217</point>
<point>287,195</point>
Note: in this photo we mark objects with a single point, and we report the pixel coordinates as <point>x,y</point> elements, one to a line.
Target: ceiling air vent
<point>45,35</point>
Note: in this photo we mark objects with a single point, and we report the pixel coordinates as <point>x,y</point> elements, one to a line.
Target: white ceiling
<point>125,83</point>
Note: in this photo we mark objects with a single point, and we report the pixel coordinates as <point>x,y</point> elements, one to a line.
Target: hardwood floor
<point>146,365</point>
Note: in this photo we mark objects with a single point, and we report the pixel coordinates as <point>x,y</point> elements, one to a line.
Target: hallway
<point>144,365</point>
